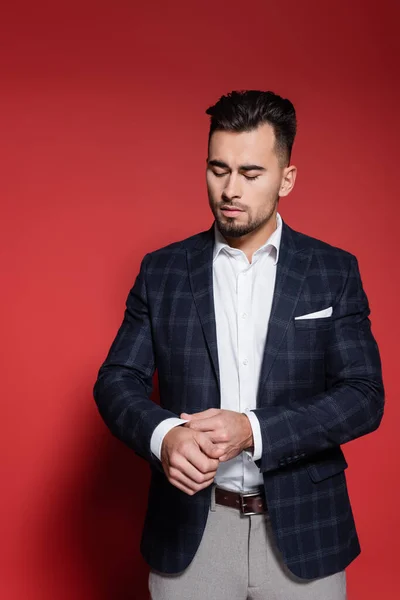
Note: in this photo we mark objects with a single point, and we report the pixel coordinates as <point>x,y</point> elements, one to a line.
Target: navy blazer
<point>320,387</point>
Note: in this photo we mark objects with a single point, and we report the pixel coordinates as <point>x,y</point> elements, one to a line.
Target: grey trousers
<point>238,560</point>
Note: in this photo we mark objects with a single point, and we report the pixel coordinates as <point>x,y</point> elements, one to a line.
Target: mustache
<point>224,204</point>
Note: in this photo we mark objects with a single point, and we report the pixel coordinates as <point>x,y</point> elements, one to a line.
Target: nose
<point>232,188</point>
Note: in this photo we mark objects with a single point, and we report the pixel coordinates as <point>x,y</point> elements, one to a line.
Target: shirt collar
<point>272,244</point>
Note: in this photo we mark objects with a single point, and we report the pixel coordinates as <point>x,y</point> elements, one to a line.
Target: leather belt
<point>248,503</point>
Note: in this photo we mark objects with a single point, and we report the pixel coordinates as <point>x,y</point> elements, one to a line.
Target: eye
<point>219,174</point>
<point>252,178</point>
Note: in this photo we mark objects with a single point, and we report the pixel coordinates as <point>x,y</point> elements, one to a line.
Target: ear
<point>288,180</point>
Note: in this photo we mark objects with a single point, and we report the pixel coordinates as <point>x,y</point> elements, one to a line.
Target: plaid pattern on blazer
<point>320,387</point>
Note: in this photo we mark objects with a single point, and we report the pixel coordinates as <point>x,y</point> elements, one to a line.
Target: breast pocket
<point>310,337</point>
<point>307,324</point>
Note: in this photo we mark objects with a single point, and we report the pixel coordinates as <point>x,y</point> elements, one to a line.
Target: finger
<point>218,438</point>
<point>213,451</point>
<point>181,487</point>
<point>196,475</point>
<point>210,412</point>
<point>180,475</point>
<point>188,485</point>
<point>208,424</point>
<point>230,452</point>
<point>200,460</point>
<point>192,452</point>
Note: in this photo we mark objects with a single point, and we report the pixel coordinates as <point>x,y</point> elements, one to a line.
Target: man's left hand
<point>228,429</point>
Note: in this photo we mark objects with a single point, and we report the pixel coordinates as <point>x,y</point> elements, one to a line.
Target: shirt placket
<point>244,341</point>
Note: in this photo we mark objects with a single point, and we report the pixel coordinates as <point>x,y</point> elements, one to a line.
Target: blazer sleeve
<point>353,402</point>
<point>125,379</point>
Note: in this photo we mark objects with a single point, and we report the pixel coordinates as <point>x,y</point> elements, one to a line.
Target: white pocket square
<point>326,312</point>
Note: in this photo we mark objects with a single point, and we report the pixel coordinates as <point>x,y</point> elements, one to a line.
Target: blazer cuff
<point>257,439</point>
<point>161,431</point>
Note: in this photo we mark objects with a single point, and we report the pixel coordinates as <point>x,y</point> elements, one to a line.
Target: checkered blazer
<point>320,387</point>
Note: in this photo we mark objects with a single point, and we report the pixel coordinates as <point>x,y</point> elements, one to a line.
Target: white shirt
<point>243,294</point>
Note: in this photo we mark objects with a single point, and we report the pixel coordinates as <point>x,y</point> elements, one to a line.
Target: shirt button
<point>245,362</point>
<point>244,315</point>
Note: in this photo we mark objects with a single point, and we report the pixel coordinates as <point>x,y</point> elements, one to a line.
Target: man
<point>266,365</point>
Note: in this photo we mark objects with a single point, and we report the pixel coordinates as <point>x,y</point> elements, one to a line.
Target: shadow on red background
<point>90,526</point>
<point>98,523</point>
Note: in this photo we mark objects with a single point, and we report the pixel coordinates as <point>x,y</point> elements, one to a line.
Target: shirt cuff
<point>257,439</point>
<point>161,431</point>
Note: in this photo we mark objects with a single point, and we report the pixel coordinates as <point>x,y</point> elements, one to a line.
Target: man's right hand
<point>189,459</point>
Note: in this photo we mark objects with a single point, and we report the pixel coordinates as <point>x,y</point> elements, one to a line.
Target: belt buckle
<point>243,504</point>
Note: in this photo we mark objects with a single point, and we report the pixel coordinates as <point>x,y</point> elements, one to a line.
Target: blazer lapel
<point>292,267</point>
<point>200,266</point>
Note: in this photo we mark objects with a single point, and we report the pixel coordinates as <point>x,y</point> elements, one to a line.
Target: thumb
<point>207,446</point>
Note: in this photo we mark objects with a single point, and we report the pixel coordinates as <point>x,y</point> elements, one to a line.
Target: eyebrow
<point>222,165</point>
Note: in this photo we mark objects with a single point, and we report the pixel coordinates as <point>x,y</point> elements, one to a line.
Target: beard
<point>230,228</point>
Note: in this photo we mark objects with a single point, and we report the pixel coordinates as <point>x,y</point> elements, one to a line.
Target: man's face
<point>244,173</point>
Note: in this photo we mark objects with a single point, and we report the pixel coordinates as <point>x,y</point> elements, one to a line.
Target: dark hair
<point>246,110</point>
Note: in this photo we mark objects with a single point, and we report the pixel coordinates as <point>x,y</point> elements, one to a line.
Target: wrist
<point>248,441</point>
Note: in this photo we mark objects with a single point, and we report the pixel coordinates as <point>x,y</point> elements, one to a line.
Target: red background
<point>103,146</point>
